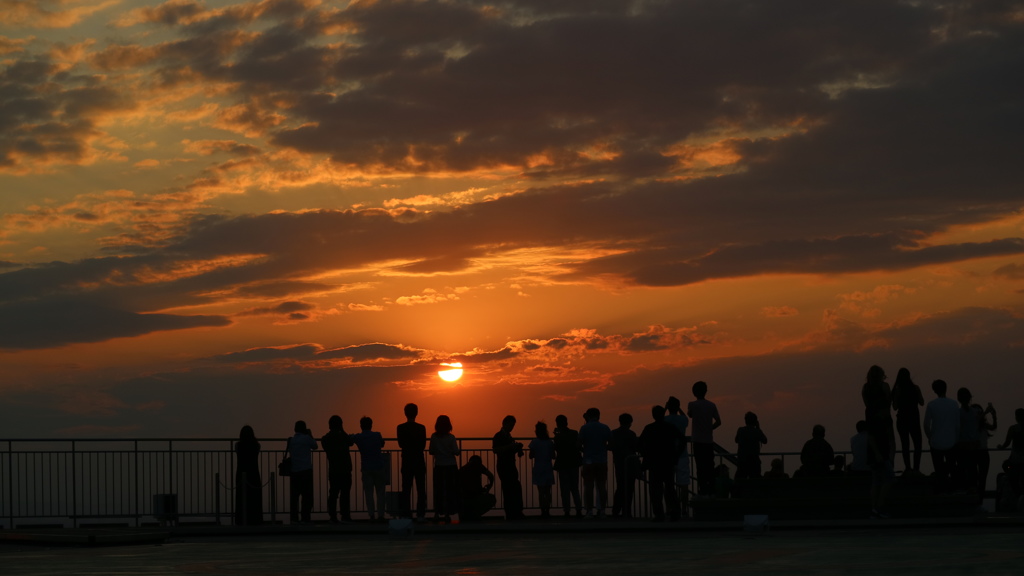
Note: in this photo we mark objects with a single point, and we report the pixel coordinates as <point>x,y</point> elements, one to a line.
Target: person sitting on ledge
<point>838,466</point>
<point>817,455</point>
<point>776,469</point>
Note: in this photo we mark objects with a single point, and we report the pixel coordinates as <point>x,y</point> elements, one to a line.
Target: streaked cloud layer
<point>574,199</point>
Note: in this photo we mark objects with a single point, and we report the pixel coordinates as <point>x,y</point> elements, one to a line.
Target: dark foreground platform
<point>984,545</point>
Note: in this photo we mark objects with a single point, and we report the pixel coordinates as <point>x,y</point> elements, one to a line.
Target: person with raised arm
<point>300,447</point>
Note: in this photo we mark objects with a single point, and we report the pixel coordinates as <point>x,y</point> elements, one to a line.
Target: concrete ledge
<point>84,536</point>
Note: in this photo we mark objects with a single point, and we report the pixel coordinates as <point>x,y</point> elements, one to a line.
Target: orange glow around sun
<point>453,373</point>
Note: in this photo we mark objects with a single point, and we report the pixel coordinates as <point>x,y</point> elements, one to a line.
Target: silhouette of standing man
<point>301,447</point>
<point>595,437</point>
<point>412,439</point>
<point>568,460</point>
<point>704,416</point>
<point>507,449</point>
<point>659,446</point>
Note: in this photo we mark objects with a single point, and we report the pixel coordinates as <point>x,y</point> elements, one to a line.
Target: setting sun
<point>453,373</point>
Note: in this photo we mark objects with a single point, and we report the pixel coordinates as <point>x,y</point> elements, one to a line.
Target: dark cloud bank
<point>858,130</point>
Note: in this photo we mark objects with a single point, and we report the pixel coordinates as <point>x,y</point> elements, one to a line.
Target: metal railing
<point>106,481</point>
<point>45,482</point>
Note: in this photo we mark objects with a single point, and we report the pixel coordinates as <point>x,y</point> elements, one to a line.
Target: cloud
<point>51,324</point>
<point>289,308</point>
<point>50,116</point>
<point>370,352</point>
<point>779,311</point>
<point>849,254</point>
<point>297,352</point>
<point>705,142</point>
<point>316,354</point>
<point>49,13</point>
<point>1010,271</point>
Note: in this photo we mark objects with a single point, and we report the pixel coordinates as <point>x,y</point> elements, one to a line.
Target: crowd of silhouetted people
<point>958,433</point>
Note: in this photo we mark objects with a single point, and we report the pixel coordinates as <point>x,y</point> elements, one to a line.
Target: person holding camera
<point>507,449</point>
<point>749,439</point>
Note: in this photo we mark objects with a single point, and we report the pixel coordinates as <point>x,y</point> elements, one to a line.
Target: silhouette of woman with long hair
<point>906,398</point>
<point>877,397</point>
<point>248,483</point>
<point>542,452</point>
<point>444,447</point>
<point>336,444</point>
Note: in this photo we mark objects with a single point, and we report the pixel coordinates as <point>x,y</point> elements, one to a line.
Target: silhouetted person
<point>659,446</point>
<point>776,469</point>
<point>984,459</point>
<point>817,455</point>
<point>1014,465</point>
<point>373,466</point>
<point>475,497</point>
<point>542,452</point>
<point>444,447</point>
<point>906,398</point>
<point>412,439</point>
<point>704,415</point>
<point>568,460</point>
<point>723,483</point>
<point>336,445</point>
<point>594,439</point>
<point>624,447</point>
<point>507,450</point>
<point>248,483</point>
<point>681,421</point>
<point>859,450</point>
<point>942,427</point>
<point>749,439</point>
<point>838,466</point>
<point>301,447</point>
<point>877,399</point>
<point>967,456</point>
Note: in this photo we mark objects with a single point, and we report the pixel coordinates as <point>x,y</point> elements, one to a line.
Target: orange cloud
<point>50,13</point>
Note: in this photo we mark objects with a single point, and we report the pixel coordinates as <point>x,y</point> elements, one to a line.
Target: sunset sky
<point>226,212</point>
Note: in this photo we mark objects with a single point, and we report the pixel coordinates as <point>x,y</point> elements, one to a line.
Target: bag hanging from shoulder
<point>285,467</point>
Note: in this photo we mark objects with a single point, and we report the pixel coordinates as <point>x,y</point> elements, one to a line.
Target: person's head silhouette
<point>700,389</point>
<point>335,423</point>
<point>625,420</point>
<point>443,425</point>
<point>658,412</point>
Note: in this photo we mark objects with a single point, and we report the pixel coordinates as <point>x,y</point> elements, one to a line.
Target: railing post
<point>10,484</point>
<point>138,495</point>
<point>216,497</point>
<point>74,487</point>
<point>273,498</point>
